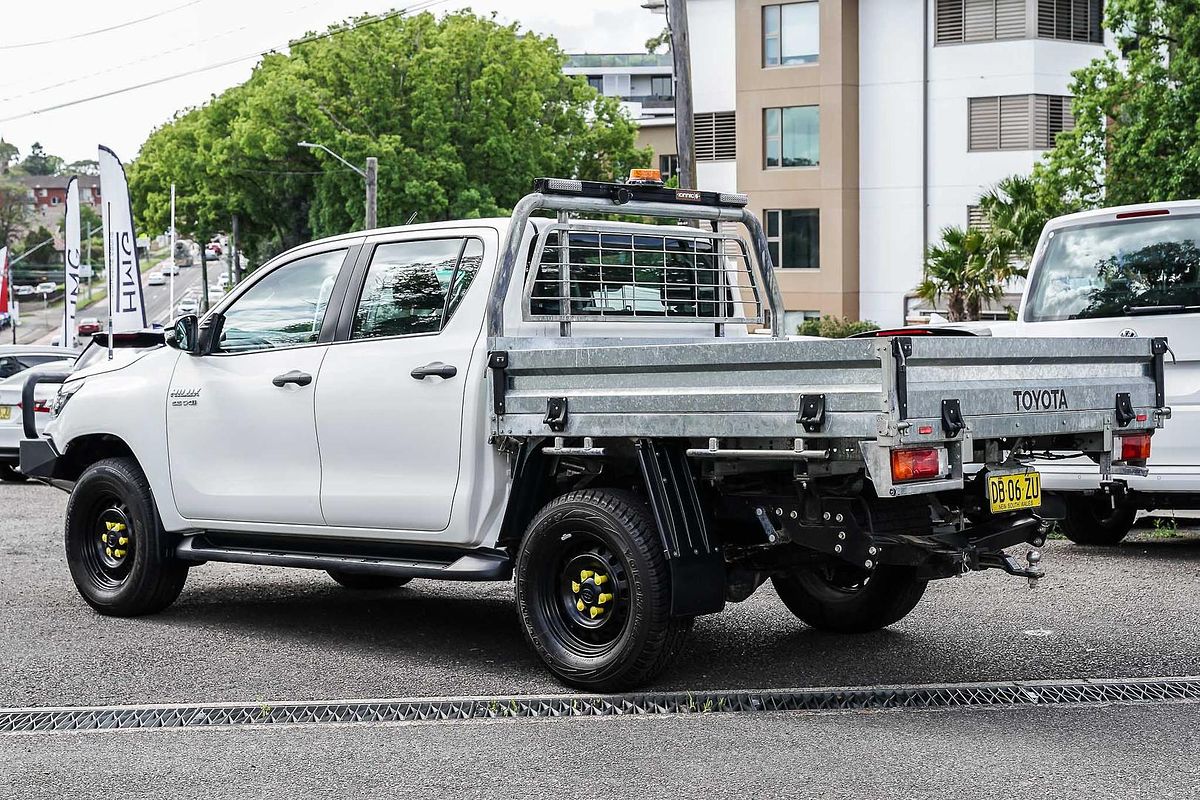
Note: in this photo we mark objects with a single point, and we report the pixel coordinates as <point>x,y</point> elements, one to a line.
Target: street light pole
<point>370,175</point>
<point>681,51</point>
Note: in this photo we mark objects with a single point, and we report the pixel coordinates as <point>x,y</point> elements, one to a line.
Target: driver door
<point>241,434</point>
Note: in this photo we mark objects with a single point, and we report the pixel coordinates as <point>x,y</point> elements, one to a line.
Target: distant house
<point>48,196</point>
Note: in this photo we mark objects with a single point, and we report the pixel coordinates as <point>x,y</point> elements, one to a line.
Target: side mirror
<point>209,334</point>
<point>183,335</point>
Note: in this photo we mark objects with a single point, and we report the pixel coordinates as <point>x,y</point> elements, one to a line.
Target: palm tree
<point>967,267</point>
<point>1012,205</point>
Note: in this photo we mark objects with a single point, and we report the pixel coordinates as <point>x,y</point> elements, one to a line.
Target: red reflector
<point>40,408</point>
<point>1141,417</point>
<point>1150,212</point>
<point>915,465</point>
<point>1135,447</point>
<point>925,430</point>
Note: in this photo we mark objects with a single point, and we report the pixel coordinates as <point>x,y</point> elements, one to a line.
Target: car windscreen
<point>1115,269</point>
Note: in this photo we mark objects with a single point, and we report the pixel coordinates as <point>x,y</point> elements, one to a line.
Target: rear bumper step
<point>469,566</point>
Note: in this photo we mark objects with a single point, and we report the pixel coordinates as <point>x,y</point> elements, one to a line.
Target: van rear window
<point>1116,269</point>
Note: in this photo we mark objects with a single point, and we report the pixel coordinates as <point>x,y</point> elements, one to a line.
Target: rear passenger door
<point>390,401</point>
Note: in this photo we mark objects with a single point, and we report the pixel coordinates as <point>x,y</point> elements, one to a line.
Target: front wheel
<point>843,600</point>
<point>594,594</point>
<point>1097,520</point>
<point>122,561</point>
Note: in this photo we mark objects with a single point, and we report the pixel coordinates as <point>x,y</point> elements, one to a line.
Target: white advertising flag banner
<point>126,306</point>
<point>71,262</point>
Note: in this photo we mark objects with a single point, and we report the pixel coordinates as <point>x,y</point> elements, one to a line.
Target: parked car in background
<point>24,291</point>
<point>188,305</point>
<point>46,287</point>
<point>214,248</point>
<point>88,326</point>
<point>170,269</point>
<point>1131,272</point>
<point>16,362</point>
<point>155,278</point>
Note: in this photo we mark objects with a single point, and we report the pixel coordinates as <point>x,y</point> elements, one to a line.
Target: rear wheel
<point>593,591</point>
<point>365,582</point>
<point>1096,520</point>
<point>122,561</point>
<point>9,474</point>
<point>845,600</point>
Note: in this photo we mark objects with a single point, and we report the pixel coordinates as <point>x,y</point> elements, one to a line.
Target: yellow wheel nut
<point>123,540</point>
<point>585,574</point>
<point>119,553</point>
<point>601,580</point>
<point>104,538</point>
<point>579,605</point>
<point>574,587</point>
<point>604,598</point>
<point>109,525</point>
<point>108,552</point>
<point>595,611</point>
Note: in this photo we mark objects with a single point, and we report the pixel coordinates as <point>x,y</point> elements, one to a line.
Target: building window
<point>1071,20</point>
<point>54,200</point>
<point>977,219</point>
<point>791,33</point>
<point>716,136</point>
<point>980,20</point>
<point>662,86</point>
<point>791,137</point>
<point>617,85</point>
<point>596,82</point>
<point>668,166</point>
<point>1017,122</point>
<point>794,238</point>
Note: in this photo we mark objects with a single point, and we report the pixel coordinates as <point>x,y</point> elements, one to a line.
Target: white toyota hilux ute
<point>575,404</point>
<point>1134,272</point>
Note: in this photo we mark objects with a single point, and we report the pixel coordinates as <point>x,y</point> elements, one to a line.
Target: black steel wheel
<point>593,591</point>
<point>122,561</point>
<point>366,582</point>
<point>9,474</point>
<point>846,600</point>
<point>1096,520</point>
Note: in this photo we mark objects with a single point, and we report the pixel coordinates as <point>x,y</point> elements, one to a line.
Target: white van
<point>1130,271</point>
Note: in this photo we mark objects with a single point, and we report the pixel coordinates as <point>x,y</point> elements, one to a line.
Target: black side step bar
<point>467,566</point>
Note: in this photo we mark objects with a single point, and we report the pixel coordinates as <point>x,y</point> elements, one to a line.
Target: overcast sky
<point>186,35</point>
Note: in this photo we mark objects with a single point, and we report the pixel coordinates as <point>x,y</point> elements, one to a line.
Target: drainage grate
<point>1149,690</point>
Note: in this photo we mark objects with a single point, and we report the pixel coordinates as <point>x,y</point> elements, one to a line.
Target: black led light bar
<point>621,193</point>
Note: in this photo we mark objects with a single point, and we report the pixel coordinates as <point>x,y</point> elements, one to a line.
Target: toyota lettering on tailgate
<point>1043,400</point>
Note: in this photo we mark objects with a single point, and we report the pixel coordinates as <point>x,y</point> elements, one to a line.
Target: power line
<point>358,26</point>
<point>143,59</point>
<point>86,34</point>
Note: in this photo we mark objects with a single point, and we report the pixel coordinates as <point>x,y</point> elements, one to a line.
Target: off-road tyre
<point>840,602</point>
<point>1094,520</point>
<point>610,534</point>
<point>841,599</point>
<point>365,582</point>
<point>9,474</point>
<point>140,575</point>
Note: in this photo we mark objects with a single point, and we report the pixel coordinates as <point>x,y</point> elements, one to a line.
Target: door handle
<point>436,369</point>
<point>295,376</point>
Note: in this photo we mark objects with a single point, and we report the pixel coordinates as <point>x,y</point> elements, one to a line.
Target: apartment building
<point>644,83</point>
<point>861,128</point>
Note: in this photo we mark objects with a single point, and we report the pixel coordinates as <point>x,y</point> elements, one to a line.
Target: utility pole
<point>372,177</point>
<point>235,262</point>
<point>171,255</point>
<point>203,238</point>
<point>681,57</point>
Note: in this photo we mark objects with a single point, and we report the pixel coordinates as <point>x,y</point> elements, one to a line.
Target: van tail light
<point>918,464</point>
<point>1135,447</point>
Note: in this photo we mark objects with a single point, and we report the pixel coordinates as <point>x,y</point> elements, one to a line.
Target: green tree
<point>9,155</point>
<point>39,162</point>
<point>831,327</point>
<point>87,166</point>
<point>1135,138</point>
<point>968,267</point>
<point>1014,210</point>
<point>461,112</point>
<point>14,208</point>
<point>663,39</point>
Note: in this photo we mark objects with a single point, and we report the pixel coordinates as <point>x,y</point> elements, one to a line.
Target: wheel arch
<point>83,451</point>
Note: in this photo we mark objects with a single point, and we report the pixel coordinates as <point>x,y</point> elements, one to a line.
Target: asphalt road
<point>263,634</point>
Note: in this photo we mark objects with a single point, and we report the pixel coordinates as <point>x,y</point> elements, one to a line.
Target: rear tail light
<point>918,464</point>
<point>1135,447</point>
<point>41,407</point>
